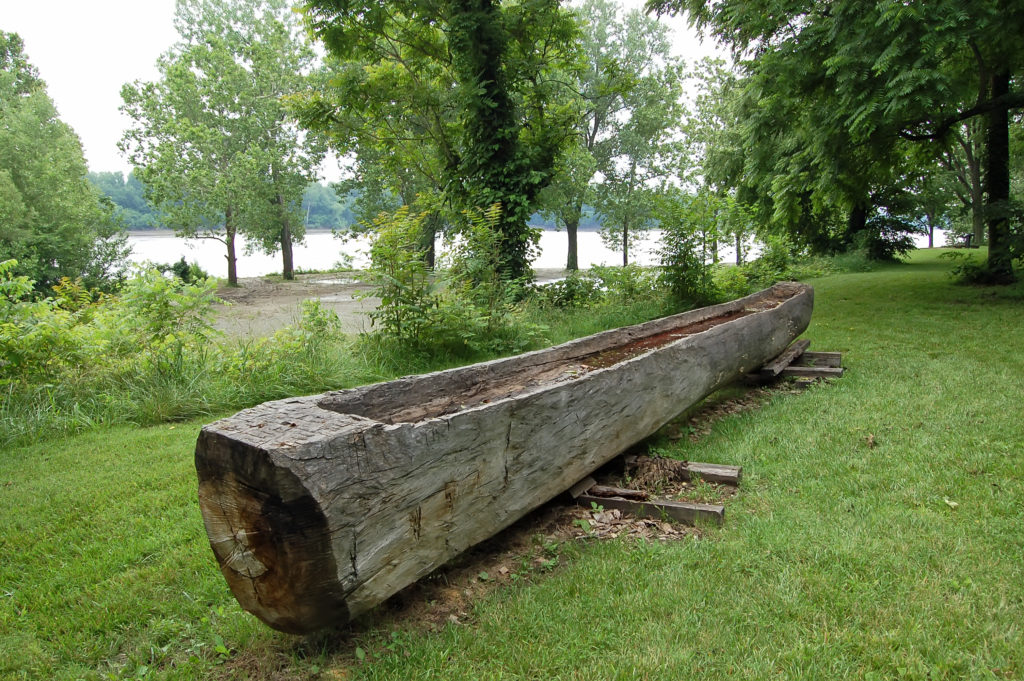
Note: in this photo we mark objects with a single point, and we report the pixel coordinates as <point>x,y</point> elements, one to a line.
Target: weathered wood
<point>814,372</point>
<point>713,472</point>
<point>819,359</point>
<point>775,367</point>
<point>320,507</point>
<point>683,511</point>
<point>688,470</point>
<point>608,491</point>
<point>581,486</point>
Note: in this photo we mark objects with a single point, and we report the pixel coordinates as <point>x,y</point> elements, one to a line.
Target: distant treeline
<point>322,207</point>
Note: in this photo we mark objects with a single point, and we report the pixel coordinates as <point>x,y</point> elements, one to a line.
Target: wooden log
<point>318,508</point>
<point>683,511</point>
<point>607,491</point>
<point>775,367</point>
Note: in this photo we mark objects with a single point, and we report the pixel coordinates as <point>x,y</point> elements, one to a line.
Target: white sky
<point>85,51</point>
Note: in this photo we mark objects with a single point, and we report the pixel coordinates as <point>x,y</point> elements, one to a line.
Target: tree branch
<point>1012,100</point>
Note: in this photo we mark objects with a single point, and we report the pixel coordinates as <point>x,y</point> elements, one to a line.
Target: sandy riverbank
<point>259,306</point>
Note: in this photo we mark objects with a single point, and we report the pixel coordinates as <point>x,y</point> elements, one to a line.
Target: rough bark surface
<point>319,508</point>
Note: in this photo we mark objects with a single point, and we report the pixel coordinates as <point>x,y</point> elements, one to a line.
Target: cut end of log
<point>270,539</point>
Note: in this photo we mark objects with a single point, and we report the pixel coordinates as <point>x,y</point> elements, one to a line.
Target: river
<point>321,250</point>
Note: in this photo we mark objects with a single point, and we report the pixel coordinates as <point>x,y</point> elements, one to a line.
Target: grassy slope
<point>841,557</point>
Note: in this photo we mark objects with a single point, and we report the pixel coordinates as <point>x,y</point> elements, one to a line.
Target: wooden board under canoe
<point>319,508</point>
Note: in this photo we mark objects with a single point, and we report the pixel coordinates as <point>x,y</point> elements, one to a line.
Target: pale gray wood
<point>819,359</point>
<point>319,508</point>
<point>774,367</point>
<point>814,372</point>
<point>687,470</point>
<point>713,472</point>
<point>581,486</point>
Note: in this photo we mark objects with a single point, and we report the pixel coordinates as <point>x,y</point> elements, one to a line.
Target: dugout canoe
<point>318,508</point>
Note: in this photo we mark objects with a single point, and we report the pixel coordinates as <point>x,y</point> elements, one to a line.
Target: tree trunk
<point>977,205</point>
<point>997,185</point>
<point>572,225</point>
<point>288,269</point>
<point>625,243</point>
<point>857,220</point>
<point>428,236</point>
<point>739,249</point>
<point>229,241</point>
<point>572,260</point>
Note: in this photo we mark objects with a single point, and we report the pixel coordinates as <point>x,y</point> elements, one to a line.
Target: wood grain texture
<point>775,367</point>
<point>320,507</point>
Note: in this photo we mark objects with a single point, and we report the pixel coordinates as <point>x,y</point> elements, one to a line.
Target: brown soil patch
<point>259,306</point>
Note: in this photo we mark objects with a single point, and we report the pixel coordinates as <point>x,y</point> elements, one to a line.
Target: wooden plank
<point>582,486</point>
<point>683,511</point>
<point>814,372</point>
<point>713,472</point>
<point>687,470</point>
<point>775,367</point>
<point>819,359</point>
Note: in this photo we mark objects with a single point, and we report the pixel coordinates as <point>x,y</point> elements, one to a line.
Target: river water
<point>321,250</point>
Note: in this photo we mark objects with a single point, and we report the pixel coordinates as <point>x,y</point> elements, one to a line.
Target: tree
<point>462,89</point>
<point>867,75</point>
<point>212,140</point>
<point>324,209</point>
<point>628,89</point>
<point>52,221</point>
<point>129,199</point>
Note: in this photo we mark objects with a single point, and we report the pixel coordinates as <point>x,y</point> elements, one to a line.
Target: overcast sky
<point>85,51</point>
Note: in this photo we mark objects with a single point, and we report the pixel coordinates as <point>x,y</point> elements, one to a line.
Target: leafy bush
<point>732,281</point>
<point>577,290</point>
<point>148,354</point>
<point>465,308</point>
<point>886,239</point>
<point>968,269</point>
<point>189,273</point>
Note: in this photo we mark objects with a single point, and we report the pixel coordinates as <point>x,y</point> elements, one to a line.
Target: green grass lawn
<point>879,534</point>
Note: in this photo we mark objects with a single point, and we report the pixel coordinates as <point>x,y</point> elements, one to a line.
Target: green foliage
<point>846,105</point>
<point>687,222</point>
<point>189,273</point>
<point>145,355</point>
<point>407,293</point>
<point>52,221</point>
<point>212,140</point>
<point>467,308</point>
<point>577,290</point>
<point>969,268</point>
<point>129,198</point>
<point>453,99</point>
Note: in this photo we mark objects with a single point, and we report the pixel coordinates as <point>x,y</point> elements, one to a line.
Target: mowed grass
<point>879,534</point>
